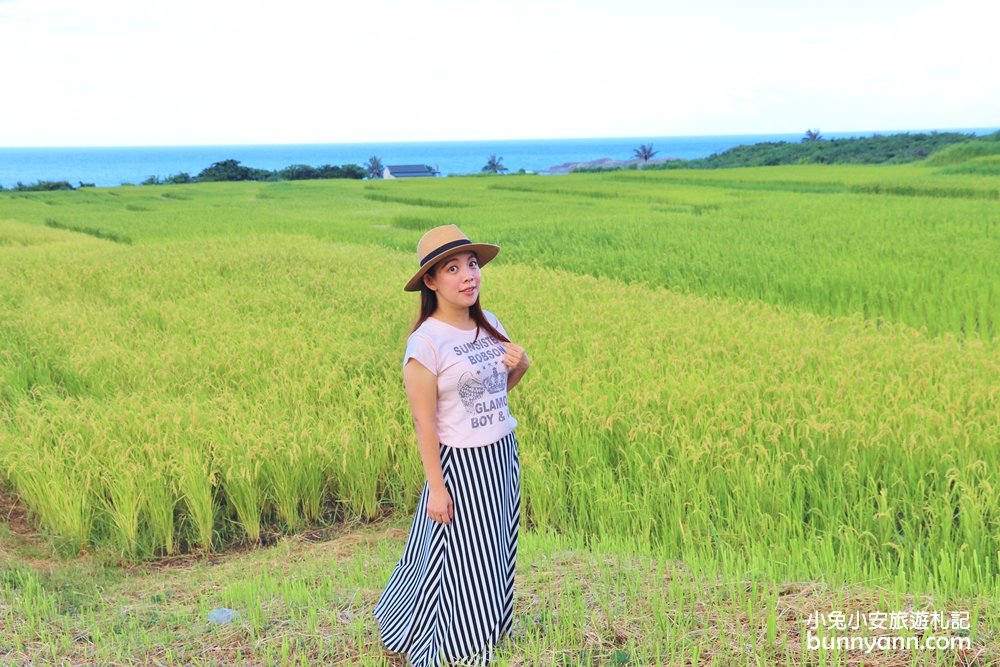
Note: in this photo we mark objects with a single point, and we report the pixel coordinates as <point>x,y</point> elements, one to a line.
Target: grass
<point>768,378</point>
<point>308,600</point>
<point>988,165</point>
<point>902,243</point>
<point>965,151</point>
<point>97,233</point>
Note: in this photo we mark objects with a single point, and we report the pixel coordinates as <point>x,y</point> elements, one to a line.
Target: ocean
<point>112,166</point>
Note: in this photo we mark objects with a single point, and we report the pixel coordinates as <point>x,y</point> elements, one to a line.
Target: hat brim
<point>484,253</point>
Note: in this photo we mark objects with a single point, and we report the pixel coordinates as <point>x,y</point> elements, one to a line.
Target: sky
<point>193,72</point>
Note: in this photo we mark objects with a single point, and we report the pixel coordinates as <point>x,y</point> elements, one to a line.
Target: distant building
<point>408,171</point>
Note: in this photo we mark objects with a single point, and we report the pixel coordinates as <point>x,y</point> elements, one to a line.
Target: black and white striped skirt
<point>451,595</point>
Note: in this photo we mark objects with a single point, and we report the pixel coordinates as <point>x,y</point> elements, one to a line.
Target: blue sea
<point>112,166</point>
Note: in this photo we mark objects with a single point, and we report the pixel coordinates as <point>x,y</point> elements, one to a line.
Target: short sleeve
<point>420,348</point>
<point>495,321</point>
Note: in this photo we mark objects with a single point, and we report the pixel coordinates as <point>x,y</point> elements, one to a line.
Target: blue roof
<point>409,170</point>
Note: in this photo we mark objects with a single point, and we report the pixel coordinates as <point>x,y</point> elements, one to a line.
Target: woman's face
<point>456,279</point>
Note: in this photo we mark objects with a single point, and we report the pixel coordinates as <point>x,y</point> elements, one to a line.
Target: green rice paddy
<point>779,374</point>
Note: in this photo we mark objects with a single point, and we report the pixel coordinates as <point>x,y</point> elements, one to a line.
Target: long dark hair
<point>429,303</point>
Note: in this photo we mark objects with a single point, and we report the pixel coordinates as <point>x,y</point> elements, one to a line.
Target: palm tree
<point>812,135</point>
<point>644,153</point>
<point>494,165</point>
<point>374,167</point>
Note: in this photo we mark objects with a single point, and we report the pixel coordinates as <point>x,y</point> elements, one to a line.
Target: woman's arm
<point>421,390</point>
<point>517,362</point>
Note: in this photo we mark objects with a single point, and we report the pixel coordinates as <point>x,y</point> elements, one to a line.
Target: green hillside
<point>878,149</point>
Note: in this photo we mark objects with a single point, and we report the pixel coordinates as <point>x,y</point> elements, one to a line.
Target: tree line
<point>814,149</point>
<point>232,170</point>
<point>226,170</point>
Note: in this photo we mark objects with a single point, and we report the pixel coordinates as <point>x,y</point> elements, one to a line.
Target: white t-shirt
<point>472,381</point>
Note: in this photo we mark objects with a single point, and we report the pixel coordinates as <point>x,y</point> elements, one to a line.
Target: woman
<point>451,596</point>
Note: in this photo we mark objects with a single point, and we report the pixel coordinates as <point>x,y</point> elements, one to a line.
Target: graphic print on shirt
<point>469,390</point>
<point>496,382</point>
<point>485,355</point>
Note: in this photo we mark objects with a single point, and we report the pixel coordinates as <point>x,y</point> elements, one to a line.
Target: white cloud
<point>302,71</point>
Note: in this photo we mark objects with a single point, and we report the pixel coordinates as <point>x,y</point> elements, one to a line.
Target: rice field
<point>788,374</point>
<point>904,244</point>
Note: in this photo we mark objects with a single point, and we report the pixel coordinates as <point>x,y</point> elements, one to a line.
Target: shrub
<point>231,170</point>
<point>594,170</point>
<point>299,172</point>
<point>178,178</point>
<point>354,171</point>
<point>43,186</point>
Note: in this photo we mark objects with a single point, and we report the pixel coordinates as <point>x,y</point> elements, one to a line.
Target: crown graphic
<point>495,383</point>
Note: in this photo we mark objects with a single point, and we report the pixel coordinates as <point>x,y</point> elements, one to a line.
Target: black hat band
<point>446,247</point>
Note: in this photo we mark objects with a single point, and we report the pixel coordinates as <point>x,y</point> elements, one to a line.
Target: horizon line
<point>853,133</point>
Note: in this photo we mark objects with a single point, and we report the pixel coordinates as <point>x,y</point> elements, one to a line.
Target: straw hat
<point>441,242</point>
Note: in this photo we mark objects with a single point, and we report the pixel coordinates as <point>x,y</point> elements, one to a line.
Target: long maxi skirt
<point>451,595</point>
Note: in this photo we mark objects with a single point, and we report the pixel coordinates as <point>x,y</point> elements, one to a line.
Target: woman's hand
<point>515,358</point>
<point>439,507</point>
<point>517,363</point>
